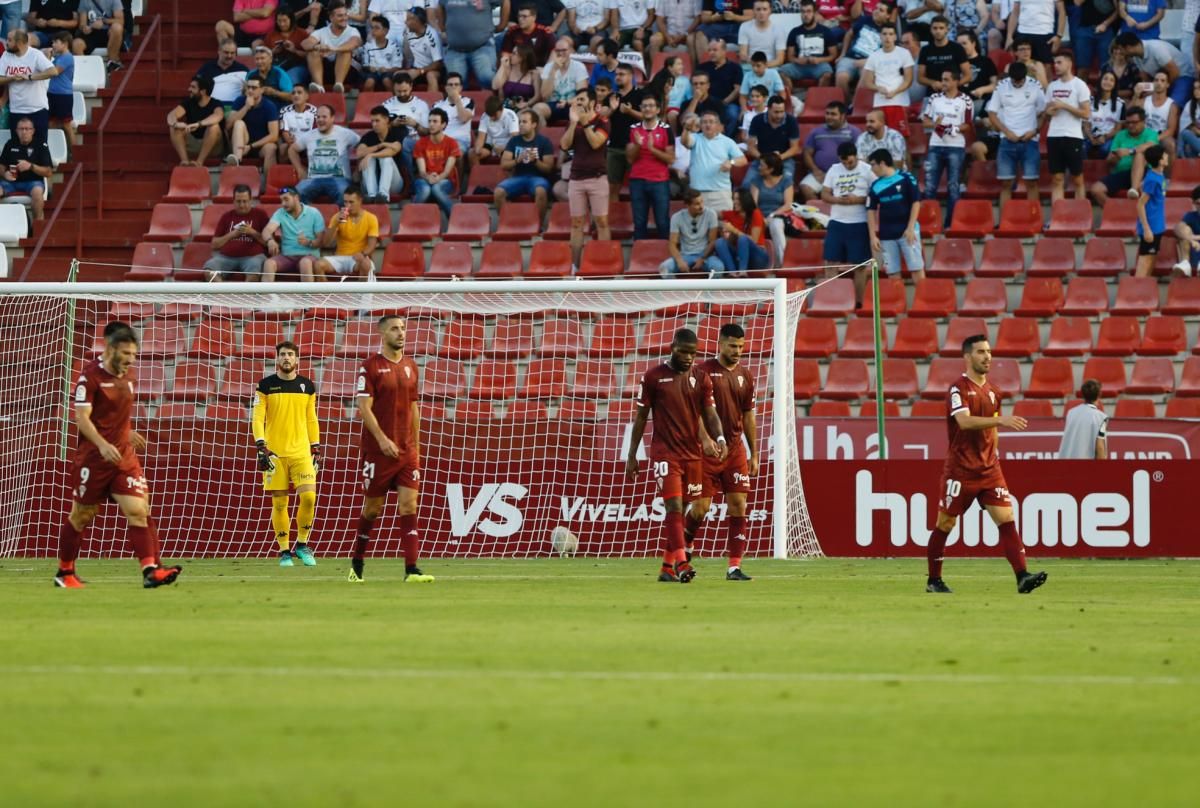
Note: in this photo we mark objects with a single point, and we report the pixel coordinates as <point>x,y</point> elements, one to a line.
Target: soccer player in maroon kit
<point>733,392</point>
<point>679,394</point>
<point>972,471</point>
<point>106,465</point>
<point>389,403</point>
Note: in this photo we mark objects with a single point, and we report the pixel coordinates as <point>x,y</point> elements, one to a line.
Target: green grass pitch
<point>580,682</point>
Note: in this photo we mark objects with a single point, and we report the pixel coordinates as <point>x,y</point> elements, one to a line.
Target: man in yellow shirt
<point>288,441</point>
<point>356,233</point>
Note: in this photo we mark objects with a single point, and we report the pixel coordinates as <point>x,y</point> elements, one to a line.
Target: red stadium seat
<point>1103,256</point>
<point>959,329</point>
<point>194,381</point>
<point>468,222</point>
<point>512,338</point>
<point>613,336</point>
<point>259,338</point>
<point>816,337</point>
<point>501,259</point>
<point>859,341</point>
<point>935,297</point>
<point>178,409</point>
<point>1041,297</point>
<point>899,379</point>
<point>596,378</point>
<point>952,258</point>
<point>1119,218</point>
<point>918,141</point>
<point>806,378</point>
<point>518,221</point>
<point>572,409</point>
<point>1051,378</point>
<point>1071,218</point>
<point>930,218</point>
<point>339,378</point>
<point>927,409</point>
<point>870,409</point>
<point>1183,408</point>
<point>362,111</point>
<point>240,376</point>
<point>233,176</point>
<point>208,221</point>
<point>986,297</point>
<point>558,224</point>
<point>1163,336</point>
<point>474,411</point>
<point>422,338</point>
<point>169,222</point>
<point>981,180</point>
<point>1152,376</point>
<point>361,338</point>
<point>656,339</point>
<point>1177,207</point>
<point>1053,256</point>
<point>315,337</point>
<point>494,379</point>
<point>419,222</point>
<point>1136,296</point>
<point>1006,376</point>
<point>829,409</point>
<point>151,262</point>
<point>1189,381</point>
<point>213,338</point>
<point>1069,336</point>
<point>602,259</point>
<point>815,102</point>
<point>847,379</point>
<point>482,184</point>
<point>833,299</point>
<point>1119,336</point>
<point>646,257</point>
<point>151,380</point>
<point>383,215</point>
<point>1135,408</point>
<point>943,372</point>
<point>450,259</point>
<point>863,102</point>
<point>1021,218</point>
<point>545,378</point>
<point>464,338</point>
<point>973,218</point>
<point>802,258</point>
<point>1183,297</point>
<point>443,378</point>
<point>633,375</point>
<point>549,259</point>
<point>1185,175</point>
<point>892,298</point>
<point>403,259</point>
<point>191,265</point>
<point>1018,336</point>
<point>337,101</point>
<point>1086,297</point>
<point>1033,408</point>
<point>561,337</point>
<point>1002,258</point>
<point>620,220</point>
<point>281,175</point>
<point>1109,371</point>
<point>189,184</point>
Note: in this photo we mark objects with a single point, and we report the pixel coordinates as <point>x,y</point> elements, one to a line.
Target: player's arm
<point>386,445</point>
<point>258,425</point>
<point>710,425</point>
<point>635,441</point>
<point>137,440</point>
<point>967,421</point>
<point>750,430</point>
<point>1102,441</point>
<point>415,426</point>
<point>83,421</point>
<point>314,430</point>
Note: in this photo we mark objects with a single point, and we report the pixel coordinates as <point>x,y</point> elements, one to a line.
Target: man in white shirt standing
<point>1042,22</point>
<point>762,34</point>
<point>948,115</point>
<point>848,241</point>
<point>1014,111</point>
<point>1084,432</point>
<point>889,72</point>
<point>1069,104</point>
<point>27,72</point>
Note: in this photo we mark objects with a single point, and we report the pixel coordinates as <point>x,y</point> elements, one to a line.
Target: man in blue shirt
<point>893,206</point>
<point>713,158</point>
<point>1187,237</point>
<point>1151,211</point>
<point>59,95</point>
<point>776,131</point>
<point>253,126</point>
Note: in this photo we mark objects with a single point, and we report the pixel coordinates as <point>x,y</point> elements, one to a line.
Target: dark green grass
<point>585,682</point>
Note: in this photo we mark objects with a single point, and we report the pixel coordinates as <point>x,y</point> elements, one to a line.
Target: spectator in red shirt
<point>437,158</point>
<point>742,245</point>
<point>239,248</point>
<point>527,31</point>
<point>650,152</point>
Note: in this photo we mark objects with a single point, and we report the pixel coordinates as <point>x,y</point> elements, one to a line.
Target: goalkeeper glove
<point>316,456</point>
<point>266,458</point>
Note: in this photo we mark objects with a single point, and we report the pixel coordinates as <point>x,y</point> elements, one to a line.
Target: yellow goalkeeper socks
<point>281,521</point>
<point>304,516</point>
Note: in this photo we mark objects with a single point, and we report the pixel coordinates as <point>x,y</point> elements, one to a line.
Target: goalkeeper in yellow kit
<point>289,451</point>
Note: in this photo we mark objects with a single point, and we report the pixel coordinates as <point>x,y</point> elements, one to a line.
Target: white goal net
<point>526,401</point>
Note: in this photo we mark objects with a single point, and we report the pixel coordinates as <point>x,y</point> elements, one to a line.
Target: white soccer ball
<point>564,542</point>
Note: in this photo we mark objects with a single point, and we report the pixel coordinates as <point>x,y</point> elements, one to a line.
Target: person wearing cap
<point>277,84</point>
<point>300,230</point>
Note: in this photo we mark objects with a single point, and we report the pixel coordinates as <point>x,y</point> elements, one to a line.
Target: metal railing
<point>74,184</point>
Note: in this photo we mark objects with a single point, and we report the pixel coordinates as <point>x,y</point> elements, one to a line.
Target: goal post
<point>527,399</point>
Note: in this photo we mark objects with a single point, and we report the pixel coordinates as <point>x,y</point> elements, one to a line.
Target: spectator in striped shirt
<point>423,48</point>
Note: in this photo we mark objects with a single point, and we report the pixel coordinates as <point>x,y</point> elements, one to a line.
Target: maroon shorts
<point>94,480</point>
<point>728,476</point>
<point>957,491</point>
<point>290,264</point>
<point>677,478</point>
<point>381,474</point>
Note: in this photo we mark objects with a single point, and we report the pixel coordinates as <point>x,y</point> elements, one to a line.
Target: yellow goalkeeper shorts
<point>296,470</point>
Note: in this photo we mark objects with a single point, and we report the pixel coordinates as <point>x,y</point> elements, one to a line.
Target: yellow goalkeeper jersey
<point>285,415</point>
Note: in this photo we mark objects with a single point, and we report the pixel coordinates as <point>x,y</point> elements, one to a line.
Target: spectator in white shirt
<point>1015,111</point>
<point>1042,22</point>
<point>1069,105</point>
<point>889,72</point>
<point>459,109</point>
<point>412,113</point>
<point>330,50</point>
<point>499,123</point>
<point>762,34</point>
<point>380,56</point>
<point>847,239</point>
<point>948,114</point>
<point>423,46</point>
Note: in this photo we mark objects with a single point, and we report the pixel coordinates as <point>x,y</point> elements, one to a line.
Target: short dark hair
<point>758,56</point>
<point>773,160</point>
<point>63,36</point>
<point>969,342</point>
<point>882,156</point>
<point>385,318</point>
<point>242,188</point>
<point>840,106</point>
<point>888,26</point>
<point>441,113</point>
<point>1196,194</point>
<point>115,326</point>
<point>939,18</point>
<point>353,188</point>
<point>775,99</point>
<point>625,67</point>
<point>761,89</point>
<point>691,194</point>
<point>399,78</point>
<point>846,148</point>
<point>383,21</point>
<point>1154,154</point>
<point>536,120</point>
<point>1135,112</point>
<point>1090,391</point>
<point>379,109</point>
<point>1066,54</point>
<point>453,75</point>
<point>205,83</point>
<point>287,345</point>
<point>610,47</point>
<point>120,336</point>
<point>527,6</point>
<point>1127,39</point>
<point>971,36</point>
<point>732,331</point>
<point>332,111</point>
<point>1017,71</point>
<point>603,81</point>
<point>493,104</point>
<point>685,336</point>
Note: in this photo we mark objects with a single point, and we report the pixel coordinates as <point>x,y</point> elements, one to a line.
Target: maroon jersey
<point>676,400</point>
<point>111,400</point>
<point>393,388</point>
<point>733,390</point>
<point>972,451</point>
